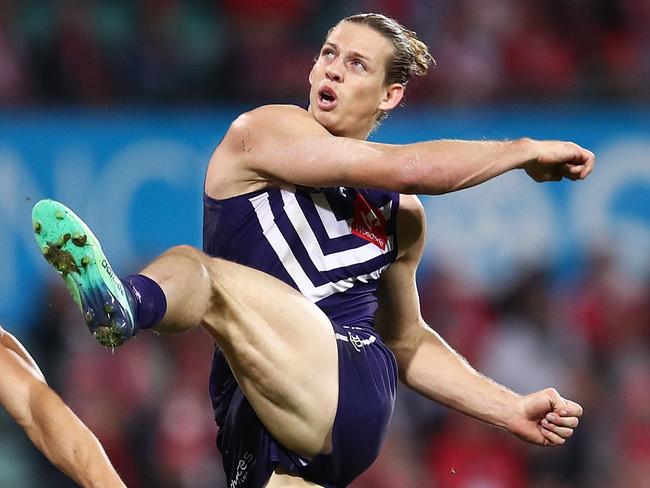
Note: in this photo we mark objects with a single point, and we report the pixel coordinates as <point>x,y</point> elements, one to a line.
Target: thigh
<point>250,453</point>
<point>282,351</point>
<point>251,456</point>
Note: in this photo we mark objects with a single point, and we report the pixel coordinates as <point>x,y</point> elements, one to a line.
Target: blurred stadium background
<point>115,106</point>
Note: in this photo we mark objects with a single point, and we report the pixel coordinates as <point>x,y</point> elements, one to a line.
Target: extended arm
<point>48,422</point>
<point>431,367</point>
<point>285,144</point>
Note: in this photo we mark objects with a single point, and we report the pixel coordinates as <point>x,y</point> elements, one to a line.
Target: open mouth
<point>326,98</point>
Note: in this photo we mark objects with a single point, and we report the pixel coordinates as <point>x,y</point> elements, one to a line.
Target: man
<point>314,307</point>
<point>48,422</point>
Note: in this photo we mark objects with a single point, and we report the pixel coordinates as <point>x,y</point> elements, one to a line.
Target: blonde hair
<point>411,56</point>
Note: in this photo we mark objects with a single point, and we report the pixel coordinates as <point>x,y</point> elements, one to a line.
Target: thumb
<point>556,402</point>
<point>545,401</point>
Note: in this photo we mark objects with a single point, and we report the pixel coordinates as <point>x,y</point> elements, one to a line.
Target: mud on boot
<point>75,253</point>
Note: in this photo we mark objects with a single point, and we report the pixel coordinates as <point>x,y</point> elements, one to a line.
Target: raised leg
<point>280,346</point>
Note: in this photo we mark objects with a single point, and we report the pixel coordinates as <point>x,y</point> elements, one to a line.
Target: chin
<point>327,120</point>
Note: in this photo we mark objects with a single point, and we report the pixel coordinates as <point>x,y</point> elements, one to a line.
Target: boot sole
<point>74,252</point>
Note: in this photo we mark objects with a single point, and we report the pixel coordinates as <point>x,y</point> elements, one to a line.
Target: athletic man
<point>313,237</point>
<point>48,422</point>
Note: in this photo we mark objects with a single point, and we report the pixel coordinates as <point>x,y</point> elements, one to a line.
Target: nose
<point>334,70</point>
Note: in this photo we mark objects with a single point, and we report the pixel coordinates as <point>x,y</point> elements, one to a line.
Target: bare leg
<point>280,346</point>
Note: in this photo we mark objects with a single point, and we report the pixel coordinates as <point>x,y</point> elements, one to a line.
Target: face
<point>348,86</point>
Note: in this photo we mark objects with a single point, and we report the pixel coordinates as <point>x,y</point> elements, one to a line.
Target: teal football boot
<point>75,253</point>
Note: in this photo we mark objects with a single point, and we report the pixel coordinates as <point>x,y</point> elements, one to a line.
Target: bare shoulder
<point>274,111</point>
<point>411,227</point>
<point>234,167</point>
<point>274,119</point>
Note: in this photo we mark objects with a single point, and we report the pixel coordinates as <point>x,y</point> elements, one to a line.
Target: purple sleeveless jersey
<point>331,244</point>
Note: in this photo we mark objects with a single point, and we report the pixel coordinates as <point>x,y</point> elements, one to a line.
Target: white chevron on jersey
<point>322,261</point>
<point>292,265</point>
<point>335,228</point>
<point>338,228</point>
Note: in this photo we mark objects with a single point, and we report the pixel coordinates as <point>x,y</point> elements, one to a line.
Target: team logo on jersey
<point>369,223</point>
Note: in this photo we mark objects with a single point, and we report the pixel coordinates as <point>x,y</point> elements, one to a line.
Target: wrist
<point>510,411</point>
<point>526,150</point>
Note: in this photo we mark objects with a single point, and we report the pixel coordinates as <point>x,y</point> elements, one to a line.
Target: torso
<point>331,244</point>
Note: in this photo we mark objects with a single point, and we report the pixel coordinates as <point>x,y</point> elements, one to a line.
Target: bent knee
<point>189,257</point>
<point>186,251</point>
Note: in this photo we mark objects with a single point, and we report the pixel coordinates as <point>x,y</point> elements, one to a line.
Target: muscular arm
<point>428,365</point>
<point>50,424</point>
<point>286,144</point>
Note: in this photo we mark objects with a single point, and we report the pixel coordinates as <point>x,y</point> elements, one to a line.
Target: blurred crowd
<point>589,336</point>
<point>98,53</point>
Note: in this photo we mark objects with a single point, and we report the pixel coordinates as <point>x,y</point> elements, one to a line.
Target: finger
<point>551,437</point>
<point>588,164</point>
<point>555,419</point>
<point>571,172</point>
<point>573,167</point>
<point>564,432</point>
<point>569,409</point>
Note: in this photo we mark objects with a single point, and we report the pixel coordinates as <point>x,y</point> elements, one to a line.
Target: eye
<point>358,65</point>
<point>328,54</point>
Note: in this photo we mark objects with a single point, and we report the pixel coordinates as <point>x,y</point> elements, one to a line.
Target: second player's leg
<point>280,346</point>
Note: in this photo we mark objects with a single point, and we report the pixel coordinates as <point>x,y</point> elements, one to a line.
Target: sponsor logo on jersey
<point>369,223</point>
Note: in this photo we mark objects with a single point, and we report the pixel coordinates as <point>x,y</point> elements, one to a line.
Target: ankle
<point>147,300</point>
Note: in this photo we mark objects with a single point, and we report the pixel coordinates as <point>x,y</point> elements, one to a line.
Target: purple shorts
<point>367,382</point>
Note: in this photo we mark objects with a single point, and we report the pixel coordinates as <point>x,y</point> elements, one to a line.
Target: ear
<point>311,72</point>
<point>393,96</point>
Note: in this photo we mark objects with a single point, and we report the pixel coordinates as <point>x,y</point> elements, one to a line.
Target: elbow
<point>405,373</point>
<point>414,176</point>
<point>411,187</point>
<point>406,348</point>
<point>409,173</point>
<point>410,179</point>
<point>402,374</point>
<point>404,354</point>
